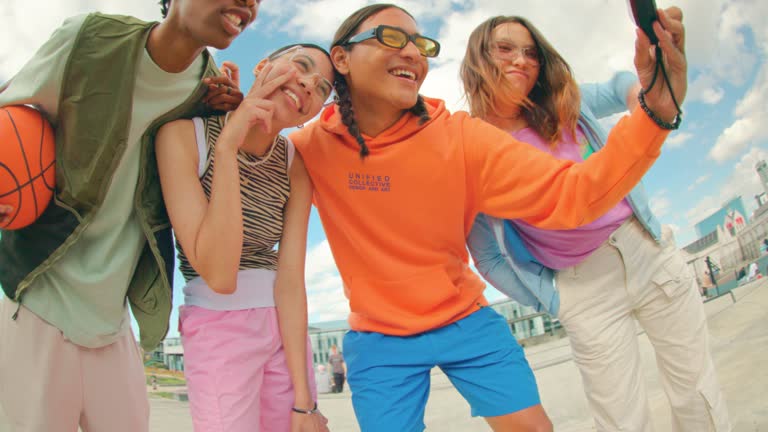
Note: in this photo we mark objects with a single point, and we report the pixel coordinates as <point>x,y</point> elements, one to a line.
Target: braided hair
<point>344,101</point>
<point>165,5</point>
<point>343,98</point>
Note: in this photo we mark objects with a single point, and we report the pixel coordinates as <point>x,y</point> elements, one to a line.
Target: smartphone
<point>644,13</point>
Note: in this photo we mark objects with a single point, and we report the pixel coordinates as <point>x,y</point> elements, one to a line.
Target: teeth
<point>404,73</point>
<point>234,19</point>
<point>293,96</point>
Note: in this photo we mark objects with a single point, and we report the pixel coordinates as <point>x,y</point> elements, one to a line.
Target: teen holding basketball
<point>106,83</point>
<point>619,268</point>
<point>398,183</point>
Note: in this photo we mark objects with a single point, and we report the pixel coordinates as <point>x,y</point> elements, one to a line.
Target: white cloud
<point>743,181</point>
<point>705,207</point>
<point>736,138</point>
<point>698,181</point>
<point>715,35</point>
<point>749,127</point>
<point>26,25</point>
<point>660,204</point>
<point>677,139</point>
<point>325,289</point>
<point>705,89</point>
<point>317,20</point>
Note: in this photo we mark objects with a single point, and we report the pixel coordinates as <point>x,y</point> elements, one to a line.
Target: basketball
<point>27,164</point>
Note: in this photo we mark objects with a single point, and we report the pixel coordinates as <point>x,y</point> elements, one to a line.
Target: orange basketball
<point>27,164</point>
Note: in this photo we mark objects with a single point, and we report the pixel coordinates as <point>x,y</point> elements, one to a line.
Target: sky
<point>704,164</point>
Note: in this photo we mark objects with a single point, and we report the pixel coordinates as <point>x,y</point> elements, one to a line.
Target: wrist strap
<point>308,412</point>
<point>661,123</point>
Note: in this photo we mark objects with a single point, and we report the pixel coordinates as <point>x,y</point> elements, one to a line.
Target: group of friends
<point>151,136</point>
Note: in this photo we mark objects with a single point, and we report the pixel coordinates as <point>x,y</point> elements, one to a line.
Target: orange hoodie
<point>397,221</point>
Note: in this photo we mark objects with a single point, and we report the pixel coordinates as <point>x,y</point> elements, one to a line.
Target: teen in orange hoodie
<point>398,183</point>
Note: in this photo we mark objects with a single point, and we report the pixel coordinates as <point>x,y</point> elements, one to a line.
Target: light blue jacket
<point>497,249</point>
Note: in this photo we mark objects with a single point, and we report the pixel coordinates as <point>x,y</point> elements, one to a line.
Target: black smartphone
<point>644,13</point>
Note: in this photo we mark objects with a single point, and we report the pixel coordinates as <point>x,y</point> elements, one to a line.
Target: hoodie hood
<point>406,126</point>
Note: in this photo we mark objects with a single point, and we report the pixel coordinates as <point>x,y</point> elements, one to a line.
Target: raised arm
<point>291,295</point>
<point>511,181</point>
<point>210,232</point>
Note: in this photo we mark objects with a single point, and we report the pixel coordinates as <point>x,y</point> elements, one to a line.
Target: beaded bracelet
<point>308,412</point>
<point>662,124</point>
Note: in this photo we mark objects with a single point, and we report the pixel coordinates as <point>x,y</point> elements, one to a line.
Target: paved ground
<point>739,334</point>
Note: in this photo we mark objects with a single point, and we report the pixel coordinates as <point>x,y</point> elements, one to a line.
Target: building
<point>730,217</point>
<point>762,171</point>
<point>730,251</point>
<point>170,353</point>
<point>325,335</point>
<point>173,354</point>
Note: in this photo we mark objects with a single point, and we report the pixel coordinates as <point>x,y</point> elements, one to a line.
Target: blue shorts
<point>390,375</point>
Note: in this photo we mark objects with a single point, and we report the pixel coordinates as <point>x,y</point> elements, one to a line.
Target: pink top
<point>559,249</point>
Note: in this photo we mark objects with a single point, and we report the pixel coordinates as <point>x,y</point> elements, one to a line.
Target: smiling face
<point>515,53</point>
<point>214,23</point>
<point>302,98</point>
<point>379,77</point>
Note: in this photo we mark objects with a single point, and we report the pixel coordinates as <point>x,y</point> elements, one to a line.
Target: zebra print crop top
<point>264,190</point>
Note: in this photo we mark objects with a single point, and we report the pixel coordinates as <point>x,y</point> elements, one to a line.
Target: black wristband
<point>301,411</point>
<point>661,123</point>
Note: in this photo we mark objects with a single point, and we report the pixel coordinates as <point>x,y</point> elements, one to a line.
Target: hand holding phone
<point>644,13</point>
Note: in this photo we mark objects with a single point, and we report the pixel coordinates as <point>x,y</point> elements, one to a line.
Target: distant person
<point>706,283</point>
<point>336,360</point>
<point>323,379</point>
<point>742,274</point>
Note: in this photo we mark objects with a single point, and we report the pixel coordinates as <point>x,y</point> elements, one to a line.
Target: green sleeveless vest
<point>94,115</point>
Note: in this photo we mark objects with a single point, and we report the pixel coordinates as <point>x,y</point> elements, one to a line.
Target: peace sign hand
<point>256,108</point>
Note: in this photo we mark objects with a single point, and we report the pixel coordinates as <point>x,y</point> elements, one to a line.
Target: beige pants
<point>631,277</point>
<point>48,384</point>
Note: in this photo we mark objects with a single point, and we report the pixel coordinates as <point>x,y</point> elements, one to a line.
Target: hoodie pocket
<point>383,300</point>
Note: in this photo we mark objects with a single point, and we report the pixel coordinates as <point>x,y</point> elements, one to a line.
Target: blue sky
<point>709,160</point>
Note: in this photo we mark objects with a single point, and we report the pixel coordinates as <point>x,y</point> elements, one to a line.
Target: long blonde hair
<point>552,106</point>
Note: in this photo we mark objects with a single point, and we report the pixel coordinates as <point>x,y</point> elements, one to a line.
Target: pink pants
<point>236,370</point>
